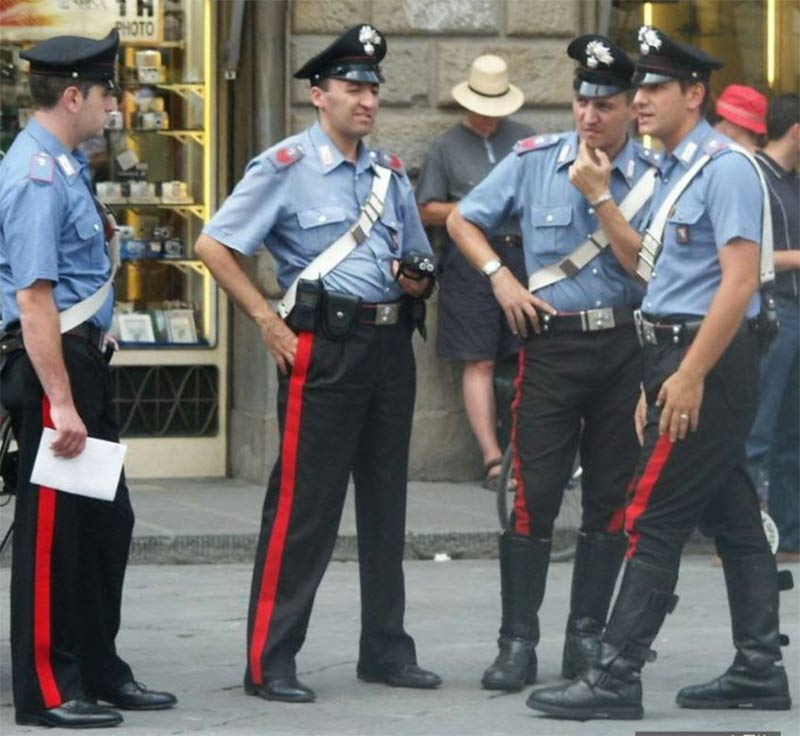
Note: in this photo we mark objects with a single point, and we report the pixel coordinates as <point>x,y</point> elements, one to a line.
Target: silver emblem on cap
<point>370,38</point>
<point>648,39</point>
<point>598,53</point>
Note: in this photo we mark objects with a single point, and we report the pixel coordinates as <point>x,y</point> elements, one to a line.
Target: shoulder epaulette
<point>42,168</point>
<point>650,155</point>
<point>284,156</point>
<point>535,142</point>
<point>715,146</point>
<point>390,160</point>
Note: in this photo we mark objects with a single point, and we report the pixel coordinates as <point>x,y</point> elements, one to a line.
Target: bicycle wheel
<point>568,522</point>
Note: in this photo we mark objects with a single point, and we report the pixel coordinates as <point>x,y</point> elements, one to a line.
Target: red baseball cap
<point>743,106</point>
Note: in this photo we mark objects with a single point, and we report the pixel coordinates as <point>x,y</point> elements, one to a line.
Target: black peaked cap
<point>76,57</point>
<point>663,59</point>
<point>354,56</point>
<point>604,68</point>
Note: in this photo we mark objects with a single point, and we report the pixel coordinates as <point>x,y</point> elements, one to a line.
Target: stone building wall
<point>431,44</point>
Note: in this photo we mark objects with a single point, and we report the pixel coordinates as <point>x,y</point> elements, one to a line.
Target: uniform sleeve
<point>32,219</point>
<point>490,203</point>
<point>251,211</point>
<point>735,200</point>
<point>414,237</point>
<point>432,182</point>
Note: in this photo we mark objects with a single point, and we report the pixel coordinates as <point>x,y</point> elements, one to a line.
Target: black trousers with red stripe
<point>69,552</point>
<point>575,391</point>
<point>346,408</point>
<point>701,481</point>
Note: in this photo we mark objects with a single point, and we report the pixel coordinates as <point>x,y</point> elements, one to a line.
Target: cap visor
<point>491,107</point>
<point>587,89</point>
<point>358,75</point>
<point>643,78</point>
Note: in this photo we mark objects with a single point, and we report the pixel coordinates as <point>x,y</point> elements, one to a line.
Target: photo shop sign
<point>138,21</point>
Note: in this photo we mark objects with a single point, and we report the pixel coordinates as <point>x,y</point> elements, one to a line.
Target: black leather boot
<point>756,679</point>
<point>523,573</point>
<point>598,557</point>
<point>612,688</point>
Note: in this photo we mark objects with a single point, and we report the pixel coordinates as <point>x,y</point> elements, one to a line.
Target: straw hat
<point>487,91</point>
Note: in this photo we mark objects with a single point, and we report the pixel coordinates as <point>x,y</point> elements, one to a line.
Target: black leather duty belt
<point>589,320</point>
<point>11,339</point>
<point>676,332</point>
<point>513,240</point>
<point>381,315</point>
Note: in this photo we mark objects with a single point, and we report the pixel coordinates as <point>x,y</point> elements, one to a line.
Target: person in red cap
<point>742,113</point>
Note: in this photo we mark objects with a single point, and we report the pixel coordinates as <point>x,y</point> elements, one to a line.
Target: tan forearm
<point>624,239</point>
<point>41,332</point>
<point>727,310</point>
<point>470,239</point>
<point>787,260</point>
<point>229,274</point>
<point>435,213</point>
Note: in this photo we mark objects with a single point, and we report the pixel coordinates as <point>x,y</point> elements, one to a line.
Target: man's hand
<point>416,288</point>
<point>680,398</point>
<point>640,416</point>
<point>70,431</point>
<point>280,341</point>
<point>591,172</point>
<point>518,304</point>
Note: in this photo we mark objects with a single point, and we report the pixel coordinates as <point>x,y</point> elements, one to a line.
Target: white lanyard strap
<point>335,253</point>
<point>597,242</point>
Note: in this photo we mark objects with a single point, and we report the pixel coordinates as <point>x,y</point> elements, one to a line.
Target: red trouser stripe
<point>522,517</point>
<point>644,489</point>
<point>43,587</point>
<point>277,540</point>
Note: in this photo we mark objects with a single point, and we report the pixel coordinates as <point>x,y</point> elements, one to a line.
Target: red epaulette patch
<point>391,160</point>
<point>42,168</point>
<point>534,142</point>
<point>286,156</point>
<point>396,163</point>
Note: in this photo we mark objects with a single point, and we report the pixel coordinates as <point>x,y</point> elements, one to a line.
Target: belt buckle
<point>387,314</point>
<point>646,331</point>
<point>598,319</point>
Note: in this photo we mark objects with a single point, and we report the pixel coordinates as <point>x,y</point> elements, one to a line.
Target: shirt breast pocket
<point>548,224</point>
<point>688,229</point>
<point>320,226</point>
<point>389,231</point>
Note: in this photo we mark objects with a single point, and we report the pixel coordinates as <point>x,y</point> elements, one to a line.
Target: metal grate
<point>166,401</point>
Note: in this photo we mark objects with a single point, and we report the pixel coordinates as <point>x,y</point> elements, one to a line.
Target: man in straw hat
<point>580,369</point>
<point>472,328</point>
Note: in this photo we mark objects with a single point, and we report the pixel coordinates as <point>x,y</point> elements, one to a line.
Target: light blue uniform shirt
<point>50,228</point>
<point>724,201</point>
<point>299,208</point>
<point>556,218</point>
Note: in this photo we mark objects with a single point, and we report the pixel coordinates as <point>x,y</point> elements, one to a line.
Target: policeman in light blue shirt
<point>579,372</point>
<point>708,215</point>
<point>346,385</point>
<point>46,198</point>
<point>701,353</point>
<point>70,551</point>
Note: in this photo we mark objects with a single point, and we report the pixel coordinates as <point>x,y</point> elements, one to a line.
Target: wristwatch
<point>490,268</point>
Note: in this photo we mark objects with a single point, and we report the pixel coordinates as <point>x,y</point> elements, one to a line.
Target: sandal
<point>490,479</point>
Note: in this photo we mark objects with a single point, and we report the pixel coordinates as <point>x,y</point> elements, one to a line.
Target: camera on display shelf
<point>110,192</point>
<point>142,191</point>
<point>115,121</point>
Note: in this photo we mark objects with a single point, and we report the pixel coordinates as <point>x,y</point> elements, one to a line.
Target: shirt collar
<point>692,144</point>
<point>777,170</point>
<point>328,154</point>
<point>70,162</point>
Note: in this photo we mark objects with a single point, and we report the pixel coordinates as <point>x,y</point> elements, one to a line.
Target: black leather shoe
<point>80,713</point>
<point>404,675</point>
<point>135,696</point>
<point>282,689</point>
<point>514,667</point>
<point>738,688</point>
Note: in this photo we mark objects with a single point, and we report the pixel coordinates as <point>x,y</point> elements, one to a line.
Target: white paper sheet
<point>94,473</point>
